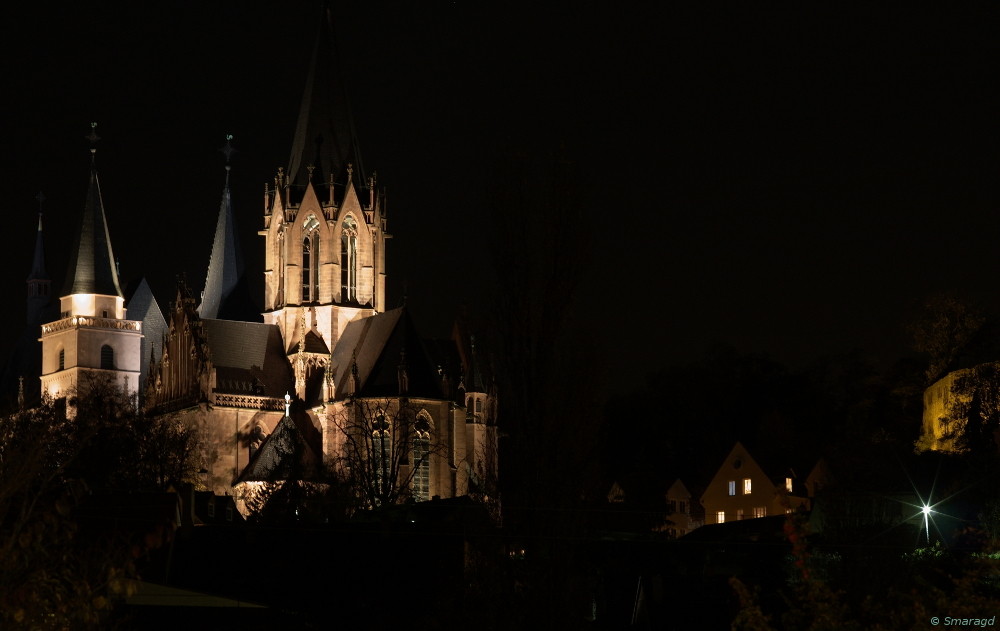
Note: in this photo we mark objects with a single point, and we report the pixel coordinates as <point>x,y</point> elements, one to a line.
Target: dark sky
<point>791,182</point>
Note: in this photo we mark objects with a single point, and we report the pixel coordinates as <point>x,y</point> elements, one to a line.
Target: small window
<point>720,517</point>
<point>62,359</point>
<point>682,506</point>
<point>732,487</point>
<point>760,511</point>
<point>739,514</point>
<point>788,484</point>
<point>479,405</point>
<point>104,314</point>
<point>211,509</point>
<point>107,357</point>
<point>746,486</point>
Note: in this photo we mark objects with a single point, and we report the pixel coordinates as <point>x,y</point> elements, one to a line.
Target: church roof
<point>379,345</point>
<point>286,454</point>
<point>92,264</point>
<point>227,295</point>
<point>248,356</point>
<point>325,137</point>
<point>142,305</point>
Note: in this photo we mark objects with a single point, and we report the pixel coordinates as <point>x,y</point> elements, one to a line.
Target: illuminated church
<point>326,376</point>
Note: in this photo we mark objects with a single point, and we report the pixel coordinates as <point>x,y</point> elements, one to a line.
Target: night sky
<point>792,182</point>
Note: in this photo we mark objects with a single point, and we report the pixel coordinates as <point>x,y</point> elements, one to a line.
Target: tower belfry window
<point>310,260</point>
<point>107,357</point>
<point>349,260</point>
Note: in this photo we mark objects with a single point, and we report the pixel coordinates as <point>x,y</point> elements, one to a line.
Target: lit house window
<point>746,486</point>
<point>739,514</point>
<point>720,517</point>
<point>732,487</point>
<point>788,484</point>
<point>760,511</point>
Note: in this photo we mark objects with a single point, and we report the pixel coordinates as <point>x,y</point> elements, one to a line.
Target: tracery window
<point>381,454</point>
<point>349,260</point>
<point>421,460</point>
<point>310,260</point>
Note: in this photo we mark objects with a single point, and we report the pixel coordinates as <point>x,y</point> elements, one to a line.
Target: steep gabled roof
<point>325,137</point>
<point>92,267</point>
<point>286,453</point>
<point>379,345</point>
<point>142,305</point>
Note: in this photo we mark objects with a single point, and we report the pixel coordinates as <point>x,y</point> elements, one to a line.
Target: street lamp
<point>926,510</point>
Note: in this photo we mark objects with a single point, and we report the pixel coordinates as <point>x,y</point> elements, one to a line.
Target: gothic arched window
<point>310,260</point>
<point>107,357</point>
<point>381,456</point>
<point>307,285</point>
<point>348,260</point>
<point>421,460</point>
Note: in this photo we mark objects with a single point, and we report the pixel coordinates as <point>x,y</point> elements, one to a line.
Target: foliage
<point>925,583</point>
<point>944,329</point>
<point>56,569</point>
<point>974,413</point>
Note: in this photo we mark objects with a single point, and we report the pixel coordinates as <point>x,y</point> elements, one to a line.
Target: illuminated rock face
<point>936,434</point>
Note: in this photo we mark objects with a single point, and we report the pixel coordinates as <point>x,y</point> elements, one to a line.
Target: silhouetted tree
<point>386,450</point>
<point>943,330</point>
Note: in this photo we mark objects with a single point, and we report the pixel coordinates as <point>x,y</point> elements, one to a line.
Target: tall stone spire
<point>325,137</point>
<point>92,267</point>
<point>39,283</point>
<point>226,294</point>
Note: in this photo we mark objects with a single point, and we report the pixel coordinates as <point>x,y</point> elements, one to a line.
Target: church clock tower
<point>324,221</point>
<point>92,337</point>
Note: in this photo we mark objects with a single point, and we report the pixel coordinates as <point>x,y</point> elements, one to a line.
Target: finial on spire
<point>228,150</point>
<point>93,138</point>
<point>350,171</point>
<point>41,200</point>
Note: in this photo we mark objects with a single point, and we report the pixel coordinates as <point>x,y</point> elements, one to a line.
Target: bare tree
<point>386,450</point>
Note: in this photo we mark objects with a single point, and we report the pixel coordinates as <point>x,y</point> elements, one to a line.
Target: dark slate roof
<point>92,264</point>
<point>248,357</point>
<point>325,137</point>
<point>227,294</point>
<point>286,454</point>
<point>142,306</point>
<point>377,344</point>
<point>315,344</point>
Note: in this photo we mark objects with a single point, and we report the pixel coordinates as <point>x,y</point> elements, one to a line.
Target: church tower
<point>324,221</point>
<point>92,338</point>
<point>227,295</point>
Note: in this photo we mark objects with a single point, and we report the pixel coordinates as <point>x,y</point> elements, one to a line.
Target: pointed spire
<point>324,135</point>
<point>224,284</point>
<point>92,263</point>
<point>38,264</point>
